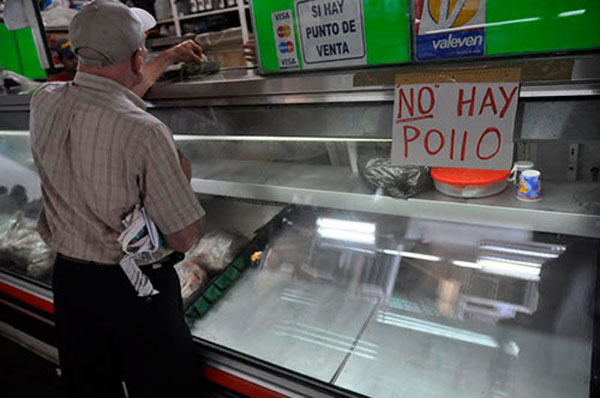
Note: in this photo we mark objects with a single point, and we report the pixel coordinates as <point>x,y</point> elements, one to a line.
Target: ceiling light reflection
<point>351,231</point>
<point>186,137</point>
<point>466,264</point>
<point>487,25</point>
<point>345,345</point>
<point>14,133</point>
<point>354,226</point>
<point>510,269</point>
<point>571,13</point>
<point>328,332</point>
<point>349,236</point>
<point>523,252</point>
<point>435,329</point>
<point>312,341</point>
<point>323,339</point>
<point>419,256</point>
<point>503,260</point>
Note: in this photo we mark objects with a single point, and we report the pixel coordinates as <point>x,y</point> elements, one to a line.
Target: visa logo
<point>281,16</point>
<point>287,62</point>
<point>455,42</point>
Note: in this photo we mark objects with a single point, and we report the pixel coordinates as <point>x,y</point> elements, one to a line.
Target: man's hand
<point>249,49</point>
<point>185,165</point>
<point>186,51</point>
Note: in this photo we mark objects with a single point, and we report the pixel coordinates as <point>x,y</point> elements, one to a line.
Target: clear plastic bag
<point>191,276</point>
<point>23,248</point>
<point>217,249</point>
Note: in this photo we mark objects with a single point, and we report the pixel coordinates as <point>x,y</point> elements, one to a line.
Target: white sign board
<point>461,123</point>
<point>285,39</point>
<point>331,33</point>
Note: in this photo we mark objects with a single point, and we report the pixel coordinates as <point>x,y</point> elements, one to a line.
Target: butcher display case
<point>344,282</point>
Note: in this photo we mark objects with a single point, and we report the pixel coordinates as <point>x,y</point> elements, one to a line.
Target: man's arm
<point>166,192</point>
<point>185,165</point>
<point>183,240</point>
<point>186,51</point>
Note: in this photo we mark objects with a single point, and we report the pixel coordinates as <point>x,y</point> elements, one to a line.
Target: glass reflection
<point>378,304</point>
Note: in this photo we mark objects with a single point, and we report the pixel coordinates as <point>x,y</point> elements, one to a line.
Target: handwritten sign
<point>331,32</point>
<point>285,39</point>
<point>460,119</point>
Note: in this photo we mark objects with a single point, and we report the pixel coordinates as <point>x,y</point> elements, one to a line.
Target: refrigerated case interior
<point>356,289</point>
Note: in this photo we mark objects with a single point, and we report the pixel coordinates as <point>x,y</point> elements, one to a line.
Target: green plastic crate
<point>212,294</point>
<point>240,264</point>
<point>223,282</point>
<point>232,273</point>
<point>201,306</point>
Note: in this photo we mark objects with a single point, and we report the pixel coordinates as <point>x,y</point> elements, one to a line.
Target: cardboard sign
<point>456,119</point>
<point>331,32</point>
<point>285,39</point>
<point>449,28</point>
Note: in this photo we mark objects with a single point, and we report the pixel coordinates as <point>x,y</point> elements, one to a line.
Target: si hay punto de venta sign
<point>331,32</point>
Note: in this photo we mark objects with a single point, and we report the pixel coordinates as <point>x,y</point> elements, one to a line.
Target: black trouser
<point>107,334</point>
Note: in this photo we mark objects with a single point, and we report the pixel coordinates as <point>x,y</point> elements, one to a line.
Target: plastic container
<point>469,183</point>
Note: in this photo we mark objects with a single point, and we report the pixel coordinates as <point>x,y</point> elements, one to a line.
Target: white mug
<point>517,169</point>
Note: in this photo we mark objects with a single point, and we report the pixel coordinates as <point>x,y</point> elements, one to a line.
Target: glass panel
<point>21,248</point>
<point>403,307</point>
<point>331,164</point>
<point>357,174</point>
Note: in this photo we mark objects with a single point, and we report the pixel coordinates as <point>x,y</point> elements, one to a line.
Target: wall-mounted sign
<point>339,33</point>
<point>331,32</point>
<point>456,119</point>
<point>285,40</point>
<point>313,34</point>
<point>474,28</point>
<point>449,28</point>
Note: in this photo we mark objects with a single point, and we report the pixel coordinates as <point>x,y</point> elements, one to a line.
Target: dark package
<point>396,181</point>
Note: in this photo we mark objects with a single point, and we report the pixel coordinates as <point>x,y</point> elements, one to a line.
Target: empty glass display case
<point>355,280</point>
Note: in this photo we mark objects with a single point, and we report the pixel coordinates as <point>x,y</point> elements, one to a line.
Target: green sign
<point>316,34</point>
<point>297,35</point>
<point>19,54</point>
<point>518,26</point>
<point>474,28</point>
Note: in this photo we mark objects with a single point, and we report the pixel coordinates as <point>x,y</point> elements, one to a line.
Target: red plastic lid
<point>455,176</point>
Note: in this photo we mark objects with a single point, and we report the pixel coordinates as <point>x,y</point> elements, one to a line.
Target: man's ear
<point>137,62</point>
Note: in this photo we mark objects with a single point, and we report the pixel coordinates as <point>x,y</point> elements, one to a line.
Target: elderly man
<point>99,154</point>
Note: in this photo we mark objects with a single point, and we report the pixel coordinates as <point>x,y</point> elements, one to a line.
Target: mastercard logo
<point>453,13</point>
<point>286,47</point>
<point>283,31</point>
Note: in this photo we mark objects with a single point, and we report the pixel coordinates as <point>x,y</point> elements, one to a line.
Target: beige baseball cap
<point>107,32</point>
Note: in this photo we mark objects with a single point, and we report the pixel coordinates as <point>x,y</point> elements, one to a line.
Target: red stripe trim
<point>28,298</point>
<point>238,384</point>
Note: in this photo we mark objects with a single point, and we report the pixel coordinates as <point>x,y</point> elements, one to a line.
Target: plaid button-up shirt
<point>98,153</point>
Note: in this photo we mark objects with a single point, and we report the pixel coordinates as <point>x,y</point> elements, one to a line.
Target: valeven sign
<point>465,119</point>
